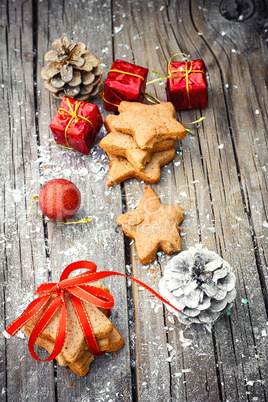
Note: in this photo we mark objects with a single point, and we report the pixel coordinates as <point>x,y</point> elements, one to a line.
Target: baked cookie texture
<point>153,226</point>
<point>149,124</point>
<point>75,352</point>
<point>117,143</point>
<point>121,169</point>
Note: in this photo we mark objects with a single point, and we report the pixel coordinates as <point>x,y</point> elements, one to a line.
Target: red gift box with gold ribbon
<point>186,85</point>
<point>125,81</point>
<point>76,124</point>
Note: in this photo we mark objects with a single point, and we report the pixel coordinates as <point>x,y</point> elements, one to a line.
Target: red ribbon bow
<point>79,291</point>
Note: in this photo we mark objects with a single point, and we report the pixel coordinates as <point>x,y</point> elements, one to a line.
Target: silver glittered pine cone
<point>72,70</point>
<point>200,284</point>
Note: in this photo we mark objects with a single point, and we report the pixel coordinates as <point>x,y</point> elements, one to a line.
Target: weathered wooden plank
<point>227,209</point>
<point>89,22</point>
<point>217,184</point>
<point>131,43</point>
<point>153,36</point>
<point>23,254</point>
<point>248,130</point>
<point>4,144</point>
<point>152,367</point>
<point>242,62</point>
<point>218,176</point>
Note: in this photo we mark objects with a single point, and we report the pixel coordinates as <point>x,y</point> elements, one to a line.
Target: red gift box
<point>125,81</point>
<point>189,89</point>
<point>76,124</point>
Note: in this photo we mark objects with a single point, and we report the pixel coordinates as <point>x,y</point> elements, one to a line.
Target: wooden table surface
<point>219,176</point>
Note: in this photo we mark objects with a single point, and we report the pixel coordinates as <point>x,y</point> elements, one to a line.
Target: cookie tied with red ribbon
<point>125,81</point>
<point>70,318</point>
<point>76,124</point>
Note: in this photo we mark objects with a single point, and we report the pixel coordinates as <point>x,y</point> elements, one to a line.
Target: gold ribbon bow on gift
<point>184,73</point>
<point>74,116</point>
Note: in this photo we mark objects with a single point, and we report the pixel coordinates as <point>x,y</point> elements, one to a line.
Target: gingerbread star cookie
<point>121,169</point>
<point>121,144</point>
<point>153,226</point>
<point>148,124</point>
<point>75,352</point>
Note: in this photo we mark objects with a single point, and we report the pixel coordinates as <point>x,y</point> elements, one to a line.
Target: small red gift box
<point>76,124</point>
<point>125,81</point>
<point>189,89</point>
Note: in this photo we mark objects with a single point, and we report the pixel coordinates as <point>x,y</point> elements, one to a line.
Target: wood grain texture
<point>98,240</point>
<point>23,255</point>
<point>219,176</point>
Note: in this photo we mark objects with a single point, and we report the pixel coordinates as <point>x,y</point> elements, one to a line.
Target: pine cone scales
<point>71,70</point>
<point>200,284</point>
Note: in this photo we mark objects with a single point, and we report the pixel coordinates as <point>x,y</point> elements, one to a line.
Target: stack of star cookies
<point>75,352</point>
<point>140,141</point>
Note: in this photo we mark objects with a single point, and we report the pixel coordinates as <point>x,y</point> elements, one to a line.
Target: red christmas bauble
<point>59,199</point>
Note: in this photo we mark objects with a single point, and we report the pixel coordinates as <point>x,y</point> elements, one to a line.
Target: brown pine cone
<point>72,70</point>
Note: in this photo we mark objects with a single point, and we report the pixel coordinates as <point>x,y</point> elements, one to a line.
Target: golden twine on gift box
<point>126,72</point>
<point>152,99</point>
<point>101,96</point>
<point>185,74</point>
<point>194,122</point>
<point>35,198</point>
<point>74,116</point>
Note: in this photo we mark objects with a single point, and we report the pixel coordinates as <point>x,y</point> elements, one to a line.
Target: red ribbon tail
<point>94,276</point>
<point>34,307</point>
<point>85,324</point>
<point>44,321</point>
<point>105,274</point>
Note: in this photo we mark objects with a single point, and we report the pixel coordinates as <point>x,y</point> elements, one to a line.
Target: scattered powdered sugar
<point>6,334</point>
<point>118,29</point>
<point>184,341</point>
<point>73,164</point>
<point>17,195</point>
<point>83,171</point>
<point>20,335</point>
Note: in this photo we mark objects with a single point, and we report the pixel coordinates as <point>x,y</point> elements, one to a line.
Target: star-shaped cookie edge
<point>138,225</point>
<point>149,124</point>
<point>121,169</point>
